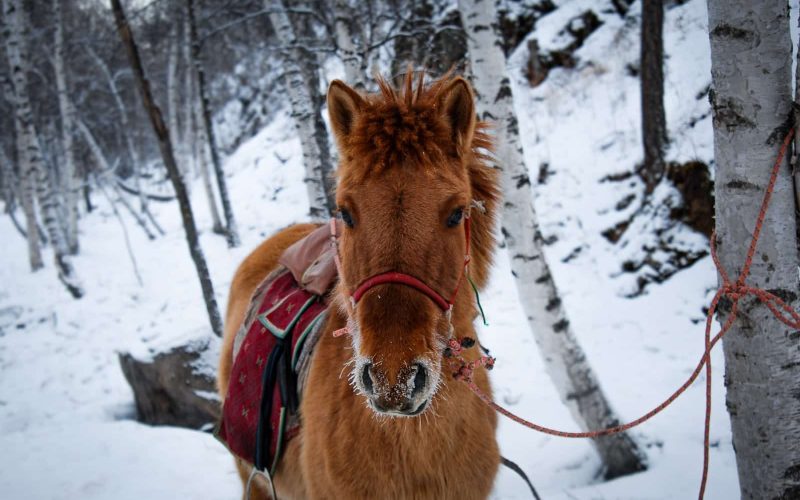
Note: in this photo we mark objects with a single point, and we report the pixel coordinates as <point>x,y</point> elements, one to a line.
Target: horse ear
<point>458,109</point>
<point>344,104</point>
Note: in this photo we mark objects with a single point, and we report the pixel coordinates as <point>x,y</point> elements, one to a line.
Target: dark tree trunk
<point>654,122</point>
<point>232,232</point>
<point>164,144</point>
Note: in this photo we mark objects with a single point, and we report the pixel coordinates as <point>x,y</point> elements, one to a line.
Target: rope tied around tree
<point>734,291</point>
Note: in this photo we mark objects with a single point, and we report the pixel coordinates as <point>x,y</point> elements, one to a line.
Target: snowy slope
<point>66,413</point>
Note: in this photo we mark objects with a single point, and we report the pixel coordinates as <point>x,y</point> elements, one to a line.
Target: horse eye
<point>455,217</point>
<point>346,218</point>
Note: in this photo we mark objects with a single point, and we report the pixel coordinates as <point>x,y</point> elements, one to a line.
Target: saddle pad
<point>281,318</point>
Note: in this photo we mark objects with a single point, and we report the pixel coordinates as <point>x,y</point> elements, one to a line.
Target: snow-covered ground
<point>67,427</point>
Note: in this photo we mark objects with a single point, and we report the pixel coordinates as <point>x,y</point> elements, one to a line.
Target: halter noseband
<point>403,278</point>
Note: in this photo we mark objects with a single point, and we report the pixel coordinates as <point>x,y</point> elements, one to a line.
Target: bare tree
<point>10,186</point>
<point>796,151</point>
<point>303,112</point>
<point>26,188</point>
<point>199,142</point>
<point>165,146</point>
<point>566,362</point>
<point>344,22</point>
<point>751,104</point>
<point>231,231</point>
<point>654,122</point>
<point>16,34</point>
<point>108,176</point>
<point>71,179</point>
<point>310,63</point>
<point>125,124</point>
<point>173,105</point>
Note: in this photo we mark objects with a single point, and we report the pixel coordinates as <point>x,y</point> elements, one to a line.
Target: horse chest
<point>357,454</point>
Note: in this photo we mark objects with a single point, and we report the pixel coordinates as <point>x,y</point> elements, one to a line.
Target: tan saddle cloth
<point>311,260</point>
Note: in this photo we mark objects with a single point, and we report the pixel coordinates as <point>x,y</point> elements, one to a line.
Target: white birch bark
<point>16,51</point>
<point>796,113</point>
<point>71,180</point>
<point>751,102</point>
<point>26,191</point>
<point>28,197</point>
<point>311,63</point>
<point>12,190</point>
<point>343,19</point>
<point>10,181</point>
<point>302,109</point>
<point>566,362</point>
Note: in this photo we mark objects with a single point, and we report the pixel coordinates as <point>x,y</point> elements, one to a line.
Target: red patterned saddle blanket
<point>272,352</point>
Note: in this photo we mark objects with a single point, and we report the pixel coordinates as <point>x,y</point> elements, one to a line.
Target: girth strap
<point>276,371</point>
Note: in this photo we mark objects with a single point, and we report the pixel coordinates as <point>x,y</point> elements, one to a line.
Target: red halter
<point>406,279</point>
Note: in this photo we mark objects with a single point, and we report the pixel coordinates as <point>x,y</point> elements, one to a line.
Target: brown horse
<point>382,416</point>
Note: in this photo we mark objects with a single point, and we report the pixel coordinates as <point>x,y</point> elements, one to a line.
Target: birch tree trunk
<point>751,103</point>
<point>28,197</point>
<point>71,178</point>
<point>36,172</point>
<point>8,181</point>
<point>302,108</point>
<point>165,146</point>
<point>11,188</point>
<point>232,232</point>
<point>796,151</point>
<point>343,19</point>
<point>565,360</point>
<point>26,186</point>
<point>310,63</point>
<point>654,122</point>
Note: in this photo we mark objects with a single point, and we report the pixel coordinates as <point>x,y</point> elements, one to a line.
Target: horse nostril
<point>366,379</point>
<point>419,380</point>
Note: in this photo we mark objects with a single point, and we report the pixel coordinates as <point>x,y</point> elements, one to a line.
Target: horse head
<point>411,166</point>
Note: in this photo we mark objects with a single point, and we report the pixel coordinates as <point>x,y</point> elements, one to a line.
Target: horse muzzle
<point>408,396</point>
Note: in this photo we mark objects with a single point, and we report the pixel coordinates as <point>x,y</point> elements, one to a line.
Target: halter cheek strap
<point>403,278</point>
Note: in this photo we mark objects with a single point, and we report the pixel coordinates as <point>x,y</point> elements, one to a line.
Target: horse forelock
<point>404,128</point>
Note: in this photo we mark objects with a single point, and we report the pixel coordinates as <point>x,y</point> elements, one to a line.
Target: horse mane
<point>404,128</point>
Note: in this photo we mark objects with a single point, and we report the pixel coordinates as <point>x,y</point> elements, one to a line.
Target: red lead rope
<point>734,291</point>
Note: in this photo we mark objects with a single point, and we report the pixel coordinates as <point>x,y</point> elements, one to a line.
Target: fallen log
<point>175,385</point>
